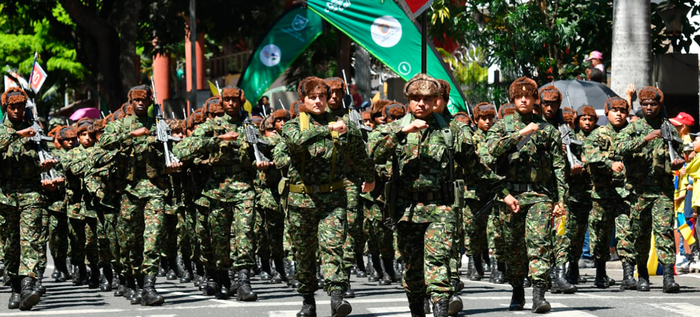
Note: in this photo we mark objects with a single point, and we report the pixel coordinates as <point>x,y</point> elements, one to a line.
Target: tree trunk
<point>127,24</point>
<point>631,45</point>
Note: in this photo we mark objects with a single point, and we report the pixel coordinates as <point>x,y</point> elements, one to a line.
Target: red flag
<point>37,78</point>
<point>418,6</point>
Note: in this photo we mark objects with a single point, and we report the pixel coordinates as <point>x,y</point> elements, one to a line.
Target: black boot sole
<point>28,303</point>
<point>542,308</point>
<point>343,309</point>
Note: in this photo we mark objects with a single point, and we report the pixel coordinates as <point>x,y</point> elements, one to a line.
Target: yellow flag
<point>212,87</point>
<point>687,233</point>
<point>561,226</point>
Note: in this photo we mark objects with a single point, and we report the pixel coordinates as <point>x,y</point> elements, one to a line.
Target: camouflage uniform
<point>579,208</point>
<point>270,211</point>
<point>317,218</point>
<point>58,221</point>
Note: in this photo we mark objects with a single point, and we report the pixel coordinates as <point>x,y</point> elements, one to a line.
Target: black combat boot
<point>339,306</point>
<point>670,285</point>
<point>163,267</point>
<point>61,271</point>
<point>426,306</point>
<point>398,270</point>
<point>308,307</point>
<point>454,306</point>
<point>130,288</point>
<point>212,285</point>
<point>265,270</point>
<point>149,296</point>
<point>498,272</point>
<point>440,308</point>
<point>106,285</point>
<point>476,267</point>
<point>378,271</point>
<point>121,289</point>
<point>186,270</point>
<point>517,299</point>
<point>56,273</point>
<point>388,274</point>
<point>560,284</point>
<point>172,266</point>
<point>628,281</point>
<point>197,277</point>
<point>28,297</point>
<point>539,304</point>
<point>39,284</point>
<point>601,280</point>
<point>245,293</point>
<point>94,281</point>
<point>320,280</point>
<point>527,282</point>
<point>573,274</point>
<point>80,277</point>
<point>389,268</point>
<point>349,293</point>
<point>138,292</point>
<point>233,278</point>
<point>281,275</point>
<point>360,266</point>
<point>643,282</point>
<point>224,290</point>
<point>16,285</point>
<point>416,307</point>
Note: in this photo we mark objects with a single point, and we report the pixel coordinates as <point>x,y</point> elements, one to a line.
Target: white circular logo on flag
<point>270,55</point>
<point>386,31</point>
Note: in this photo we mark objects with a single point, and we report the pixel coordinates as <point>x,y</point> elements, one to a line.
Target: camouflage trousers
<point>58,235</point>
<point>355,237</point>
<point>458,243</point>
<point>141,234</point>
<point>319,229</point>
<point>528,242</point>
<point>380,239</point>
<point>653,215</point>
<point>108,242</point>
<point>569,245</point>
<point>607,214</point>
<point>494,233</point>
<point>426,249</point>
<point>242,237</point>
<point>43,240</point>
<point>185,232</point>
<point>214,234</point>
<point>271,232</point>
<point>169,246</point>
<point>83,240</point>
<point>23,229</point>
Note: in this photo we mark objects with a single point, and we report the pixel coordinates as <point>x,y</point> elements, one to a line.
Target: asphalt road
<point>480,298</point>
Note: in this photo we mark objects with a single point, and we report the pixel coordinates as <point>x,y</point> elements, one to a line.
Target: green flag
<point>290,36</point>
<point>383,29</point>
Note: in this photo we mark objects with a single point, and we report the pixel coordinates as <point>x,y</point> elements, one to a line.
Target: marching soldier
<point>529,154</point>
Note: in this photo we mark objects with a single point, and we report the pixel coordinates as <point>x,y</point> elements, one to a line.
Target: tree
<point>631,47</point>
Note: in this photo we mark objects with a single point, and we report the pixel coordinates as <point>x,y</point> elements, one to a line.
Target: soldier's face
<point>178,134</point>
<point>422,106</point>
<point>651,108</point>
<point>485,123</point>
<point>270,132</point>
<point>279,122</point>
<point>617,116</point>
<point>315,103</point>
<point>15,111</point>
<point>440,105</point>
<point>68,143</point>
<point>232,105</point>
<point>336,99</point>
<point>587,123</point>
<point>549,108</point>
<point>86,139</point>
<point>140,106</point>
<point>368,122</point>
<point>524,104</point>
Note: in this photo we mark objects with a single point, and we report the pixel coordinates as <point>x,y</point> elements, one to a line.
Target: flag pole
<point>424,42</point>
<point>31,71</point>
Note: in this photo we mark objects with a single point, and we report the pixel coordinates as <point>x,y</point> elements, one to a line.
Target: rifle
<point>667,135</point>
<point>37,138</point>
<point>568,140</point>
<point>353,114</point>
<point>252,137</point>
<point>163,131</point>
<point>390,190</point>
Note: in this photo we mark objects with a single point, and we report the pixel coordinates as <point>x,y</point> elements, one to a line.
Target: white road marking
<point>679,309</point>
<point>282,313</point>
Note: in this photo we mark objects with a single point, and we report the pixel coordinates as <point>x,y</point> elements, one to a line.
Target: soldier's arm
<point>7,137</point>
<point>627,143</point>
<point>382,142</point>
<point>499,141</point>
<point>466,155</point>
<point>113,136</point>
<point>197,145</point>
<point>362,164</point>
<point>558,165</point>
<point>298,138</point>
<point>280,155</point>
<point>596,160</point>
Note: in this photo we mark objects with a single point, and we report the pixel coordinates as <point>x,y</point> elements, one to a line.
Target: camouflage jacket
<point>599,153</point>
<point>539,163</point>
<point>270,178</point>
<point>423,158</point>
<point>232,162</point>
<point>75,165</point>
<point>478,189</point>
<point>315,157</point>
<point>20,171</point>
<point>140,161</point>
<point>56,199</point>
<point>648,163</point>
<point>580,184</point>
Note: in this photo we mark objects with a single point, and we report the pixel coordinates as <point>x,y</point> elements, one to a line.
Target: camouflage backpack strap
<point>304,124</point>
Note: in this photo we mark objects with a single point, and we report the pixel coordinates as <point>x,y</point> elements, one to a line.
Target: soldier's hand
<point>618,167</point>
<point>175,165</point>
<point>559,210</point>
<point>26,133</point>
<point>512,203</point>
<point>653,135</point>
<point>576,169</point>
<point>59,181</point>
<point>48,185</point>
<point>367,187</point>
<point>49,163</point>
<point>262,165</point>
<point>530,128</point>
<point>338,126</point>
<point>139,132</point>
<point>229,136</point>
<point>677,164</point>
<point>415,126</point>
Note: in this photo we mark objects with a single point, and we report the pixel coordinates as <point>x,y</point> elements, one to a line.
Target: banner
<point>37,78</point>
<point>418,6</point>
<point>290,36</point>
<point>384,29</point>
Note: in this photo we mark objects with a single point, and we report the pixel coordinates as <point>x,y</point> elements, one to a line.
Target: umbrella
<point>93,113</point>
<point>576,93</point>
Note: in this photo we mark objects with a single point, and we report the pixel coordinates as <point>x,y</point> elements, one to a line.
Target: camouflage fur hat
<point>550,93</point>
<point>267,123</point>
<point>232,92</point>
<point>422,85</point>
<point>484,109</point>
<point>313,85</point>
<point>394,110</point>
<point>84,124</point>
<point>99,125</point>
<point>444,89</point>
<point>377,109</point>
<point>213,106</point>
<point>64,132</point>
<point>464,117</point>
<point>505,110</point>
<point>615,102</point>
<point>256,120</point>
<point>651,93</point>
<point>523,86</point>
<point>140,92</point>
<point>366,115</point>
<point>336,83</point>
<point>587,110</point>
<point>280,114</point>
<point>13,95</point>
<point>295,109</point>
<point>569,115</point>
<point>176,125</point>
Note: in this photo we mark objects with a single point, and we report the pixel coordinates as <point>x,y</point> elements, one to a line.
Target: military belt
<point>651,181</point>
<point>523,187</point>
<point>424,196</point>
<point>226,169</point>
<point>315,189</point>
